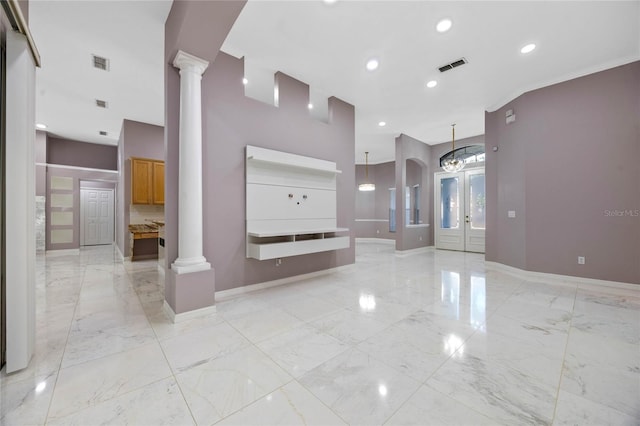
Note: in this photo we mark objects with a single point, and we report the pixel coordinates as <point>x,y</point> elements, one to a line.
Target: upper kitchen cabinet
<point>147,181</point>
<point>158,182</point>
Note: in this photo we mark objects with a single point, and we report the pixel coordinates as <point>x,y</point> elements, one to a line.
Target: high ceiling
<point>327,46</point>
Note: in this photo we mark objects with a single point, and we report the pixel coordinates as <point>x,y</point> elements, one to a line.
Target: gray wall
<point>374,205</point>
<point>408,238</point>
<point>77,176</point>
<point>81,154</point>
<point>136,140</point>
<point>569,168</point>
<point>231,121</point>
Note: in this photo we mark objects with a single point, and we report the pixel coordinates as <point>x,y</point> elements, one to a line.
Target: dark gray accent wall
<point>136,140</point>
<point>230,122</point>
<point>64,152</point>
<point>108,179</point>
<point>569,169</point>
<point>81,154</point>
<point>372,208</point>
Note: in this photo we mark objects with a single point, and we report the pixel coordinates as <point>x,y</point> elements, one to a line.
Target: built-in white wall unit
<point>291,205</point>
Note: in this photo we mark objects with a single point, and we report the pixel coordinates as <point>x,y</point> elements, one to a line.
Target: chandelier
<point>367,186</point>
<point>453,164</point>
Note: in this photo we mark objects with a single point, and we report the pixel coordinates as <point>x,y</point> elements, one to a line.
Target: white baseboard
<point>65,252</point>
<point>186,316</point>
<point>560,278</point>
<point>375,240</point>
<point>403,253</point>
<point>233,292</point>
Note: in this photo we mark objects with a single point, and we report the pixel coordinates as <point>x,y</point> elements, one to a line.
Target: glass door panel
<point>449,203</point>
<point>477,202</point>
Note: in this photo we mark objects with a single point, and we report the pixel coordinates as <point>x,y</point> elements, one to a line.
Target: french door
<point>460,210</point>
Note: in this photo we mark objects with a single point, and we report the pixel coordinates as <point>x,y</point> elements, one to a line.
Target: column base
<point>187,292</point>
<point>185,266</point>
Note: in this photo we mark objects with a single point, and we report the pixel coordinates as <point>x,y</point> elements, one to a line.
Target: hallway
<point>430,338</point>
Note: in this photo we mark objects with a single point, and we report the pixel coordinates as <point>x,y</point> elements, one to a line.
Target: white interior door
<point>460,210</point>
<point>96,216</point>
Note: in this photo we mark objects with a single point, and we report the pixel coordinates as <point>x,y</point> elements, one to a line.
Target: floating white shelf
<point>284,159</point>
<point>295,232</point>
<point>291,205</point>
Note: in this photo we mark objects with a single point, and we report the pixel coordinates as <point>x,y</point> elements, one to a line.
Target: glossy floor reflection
<point>430,338</point>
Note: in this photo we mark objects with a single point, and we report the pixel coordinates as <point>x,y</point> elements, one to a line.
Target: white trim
<point>560,278</point>
<point>372,220</point>
<point>186,316</point>
<point>88,169</point>
<point>419,225</point>
<point>119,253</point>
<point>64,252</point>
<point>376,241</point>
<point>403,253</point>
<point>238,291</point>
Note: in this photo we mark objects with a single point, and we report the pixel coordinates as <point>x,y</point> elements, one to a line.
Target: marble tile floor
<point>432,338</point>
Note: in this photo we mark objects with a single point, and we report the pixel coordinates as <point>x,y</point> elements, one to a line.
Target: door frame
<point>83,212</point>
<point>460,238</point>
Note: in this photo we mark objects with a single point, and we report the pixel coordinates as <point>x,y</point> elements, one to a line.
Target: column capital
<point>185,60</point>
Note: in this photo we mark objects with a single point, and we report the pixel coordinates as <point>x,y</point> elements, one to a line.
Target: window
<point>392,210</point>
<point>416,204</point>
<point>468,154</point>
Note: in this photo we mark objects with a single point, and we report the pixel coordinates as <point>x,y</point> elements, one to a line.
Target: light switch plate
<point>511,213</point>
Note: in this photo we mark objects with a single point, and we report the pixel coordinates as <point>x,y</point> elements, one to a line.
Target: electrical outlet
<point>420,238</point>
<point>581,260</point>
<point>278,262</point>
<point>377,231</point>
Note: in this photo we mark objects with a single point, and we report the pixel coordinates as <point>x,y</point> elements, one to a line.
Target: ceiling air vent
<point>100,63</point>
<point>452,65</point>
<point>102,133</point>
<point>101,104</point>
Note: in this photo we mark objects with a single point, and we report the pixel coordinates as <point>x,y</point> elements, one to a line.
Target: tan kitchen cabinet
<point>147,181</point>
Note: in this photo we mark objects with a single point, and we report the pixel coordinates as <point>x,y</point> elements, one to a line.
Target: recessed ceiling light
<point>382,124</point>
<point>372,64</point>
<point>310,106</point>
<point>528,48</point>
<point>41,126</point>
<point>444,25</point>
<point>432,84</point>
<point>330,1</point>
<point>245,81</point>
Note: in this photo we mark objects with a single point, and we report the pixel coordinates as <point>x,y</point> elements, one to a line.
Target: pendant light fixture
<point>453,164</point>
<point>366,186</point>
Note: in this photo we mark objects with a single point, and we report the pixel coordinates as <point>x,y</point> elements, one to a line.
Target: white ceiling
<point>327,46</point>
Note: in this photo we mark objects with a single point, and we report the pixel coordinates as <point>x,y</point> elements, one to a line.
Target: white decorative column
<point>190,255</point>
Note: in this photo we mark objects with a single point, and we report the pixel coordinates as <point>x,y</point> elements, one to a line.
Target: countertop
<point>143,229</point>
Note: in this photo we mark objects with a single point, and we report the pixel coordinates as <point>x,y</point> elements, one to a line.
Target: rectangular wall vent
<point>452,65</point>
<point>100,63</point>
<point>101,104</point>
<point>102,133</point>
